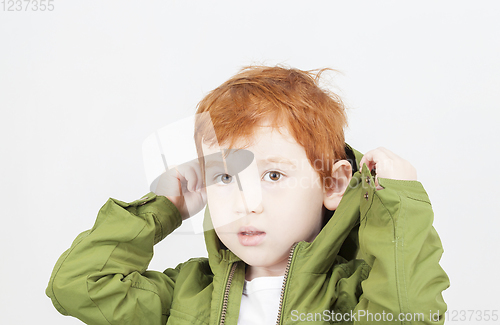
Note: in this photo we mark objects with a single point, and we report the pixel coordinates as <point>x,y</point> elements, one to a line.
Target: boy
<point>309,236</point>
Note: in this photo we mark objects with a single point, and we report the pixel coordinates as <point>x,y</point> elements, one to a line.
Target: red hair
<point>282,97</point>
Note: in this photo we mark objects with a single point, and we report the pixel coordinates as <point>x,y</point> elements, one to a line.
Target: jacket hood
<point>338,237</point>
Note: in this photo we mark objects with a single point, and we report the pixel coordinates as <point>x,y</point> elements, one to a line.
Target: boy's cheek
<point>222,222</point>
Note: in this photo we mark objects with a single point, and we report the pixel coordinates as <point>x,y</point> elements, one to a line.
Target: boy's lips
<point>250,236</point>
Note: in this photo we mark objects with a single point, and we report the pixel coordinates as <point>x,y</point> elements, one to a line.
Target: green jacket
<point>376,259</point>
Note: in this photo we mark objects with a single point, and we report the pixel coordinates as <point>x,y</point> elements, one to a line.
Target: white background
<point>82,86</point>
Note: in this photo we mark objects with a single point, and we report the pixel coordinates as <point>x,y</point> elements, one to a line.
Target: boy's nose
<point>250,190</point>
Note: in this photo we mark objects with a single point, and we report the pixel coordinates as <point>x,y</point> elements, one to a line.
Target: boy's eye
<point>225,178</point>
<point>274,176</point>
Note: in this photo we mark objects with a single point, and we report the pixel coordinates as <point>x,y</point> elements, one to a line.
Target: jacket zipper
<point>226,294</point>
<point>287,269</point>
<point>230,278</point>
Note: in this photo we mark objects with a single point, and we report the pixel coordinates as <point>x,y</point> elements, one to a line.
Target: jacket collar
<point>337,238</point>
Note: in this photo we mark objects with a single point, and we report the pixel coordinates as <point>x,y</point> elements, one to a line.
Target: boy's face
<point>279,204</point>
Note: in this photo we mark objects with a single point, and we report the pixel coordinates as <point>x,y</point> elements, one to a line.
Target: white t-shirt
<point>260,301</point>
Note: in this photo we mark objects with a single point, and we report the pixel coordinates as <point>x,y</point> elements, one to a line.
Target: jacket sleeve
<point>102,277</point>
<point>399,243</point>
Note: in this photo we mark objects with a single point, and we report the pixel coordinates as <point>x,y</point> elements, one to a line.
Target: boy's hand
<point>182,185</point>
<point>388,165</point>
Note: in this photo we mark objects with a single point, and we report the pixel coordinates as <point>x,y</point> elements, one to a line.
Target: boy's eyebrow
<point>213,163</point>
<point>277,159</point>
<point>271,159</point>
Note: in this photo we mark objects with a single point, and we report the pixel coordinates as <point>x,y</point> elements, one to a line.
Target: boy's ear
<point>341,176</point>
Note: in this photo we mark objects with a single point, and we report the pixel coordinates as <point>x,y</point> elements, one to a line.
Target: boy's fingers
<point>373,157</point>
<point>380,161</point>
<point>389,153</point>
<point>197,181</point>
<point>191,178</point>
<point>388,164</point>
<point>184,176</point>
<point>199,177</point>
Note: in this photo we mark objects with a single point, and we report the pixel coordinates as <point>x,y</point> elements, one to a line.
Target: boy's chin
<point>251,258</point>
<point>257,260</point>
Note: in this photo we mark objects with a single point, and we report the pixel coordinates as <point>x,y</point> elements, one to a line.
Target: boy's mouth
<point>251,233</point>
<point>250,236</point>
